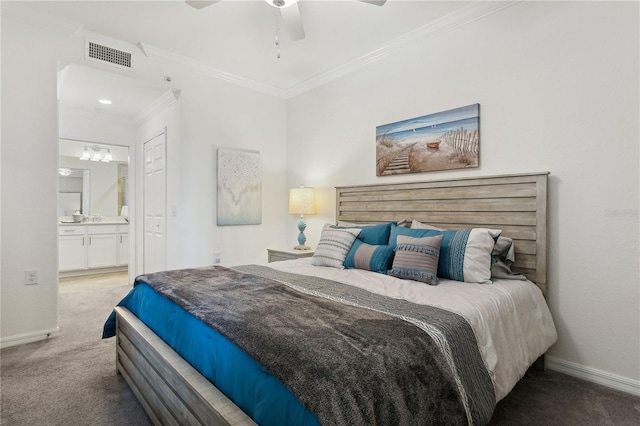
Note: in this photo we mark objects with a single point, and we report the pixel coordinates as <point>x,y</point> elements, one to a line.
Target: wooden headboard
<point>517,204</point>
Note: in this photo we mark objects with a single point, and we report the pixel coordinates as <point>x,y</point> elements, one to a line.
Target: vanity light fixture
<point>107,156</point>
<point>85,154</point>
<point>64,171</point>
<point>96,154</point>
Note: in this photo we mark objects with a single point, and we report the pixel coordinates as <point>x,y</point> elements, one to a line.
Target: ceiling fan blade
<point>292,21</point>
<point>376,2</point>
<point>200,4</point>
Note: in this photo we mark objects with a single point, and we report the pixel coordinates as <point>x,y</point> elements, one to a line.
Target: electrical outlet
<point>31,276</point>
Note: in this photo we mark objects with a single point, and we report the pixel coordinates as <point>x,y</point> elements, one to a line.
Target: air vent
<point>108,54</point>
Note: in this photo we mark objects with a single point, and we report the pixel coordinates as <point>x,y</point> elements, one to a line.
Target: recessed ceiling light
<point>105,101</point>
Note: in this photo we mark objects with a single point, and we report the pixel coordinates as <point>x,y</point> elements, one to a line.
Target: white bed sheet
<point>510,318</point>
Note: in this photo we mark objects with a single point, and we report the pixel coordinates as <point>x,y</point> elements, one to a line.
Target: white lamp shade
<point>302,201</point>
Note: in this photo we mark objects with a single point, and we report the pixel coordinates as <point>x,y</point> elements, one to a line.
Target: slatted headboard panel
<point>517,204</point>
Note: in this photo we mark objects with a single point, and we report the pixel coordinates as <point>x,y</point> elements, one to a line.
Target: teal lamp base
<point>301,238</point>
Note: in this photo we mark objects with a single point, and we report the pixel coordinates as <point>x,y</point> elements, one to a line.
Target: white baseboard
<point>21,339</point>
<point>600,377</point>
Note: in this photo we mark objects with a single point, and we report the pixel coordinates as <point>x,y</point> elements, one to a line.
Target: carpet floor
<point>71,379</point>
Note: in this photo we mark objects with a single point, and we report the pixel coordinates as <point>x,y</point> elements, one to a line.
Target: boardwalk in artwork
<point>441,141</point>
<point>400,164</point>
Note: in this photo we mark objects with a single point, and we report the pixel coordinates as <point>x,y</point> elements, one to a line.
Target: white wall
<point>95,126</point>
<point>218,115</point>
<point>211,114</point>
<point>558,91</point>
<point>30,156</point>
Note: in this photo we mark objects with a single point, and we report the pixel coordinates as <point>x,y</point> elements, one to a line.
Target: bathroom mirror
<point>74,192</point>
<point>102,183</point>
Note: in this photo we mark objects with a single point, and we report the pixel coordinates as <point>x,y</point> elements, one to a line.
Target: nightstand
<point>276,255</point>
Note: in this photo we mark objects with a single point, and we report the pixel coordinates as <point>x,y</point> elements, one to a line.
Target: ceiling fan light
<point>281,3</point>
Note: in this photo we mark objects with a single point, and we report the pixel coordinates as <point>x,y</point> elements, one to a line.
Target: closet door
<point>155,192</point>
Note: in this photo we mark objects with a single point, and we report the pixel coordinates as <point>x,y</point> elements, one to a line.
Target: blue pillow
<point>373,234</point>
<point>376,258</point>
<point>410,232</point>
<point>465,254</point>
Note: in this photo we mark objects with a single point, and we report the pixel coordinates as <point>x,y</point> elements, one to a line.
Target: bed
<point>507,338</point>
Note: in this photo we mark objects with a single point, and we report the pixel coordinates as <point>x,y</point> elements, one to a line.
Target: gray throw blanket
<point>350,356</point>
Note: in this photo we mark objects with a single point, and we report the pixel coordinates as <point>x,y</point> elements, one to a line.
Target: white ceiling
<point>235,38</point>
<point>81,87</point>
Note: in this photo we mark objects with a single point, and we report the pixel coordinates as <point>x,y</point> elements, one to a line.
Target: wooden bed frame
<point>174,393</point>
<point>517,204</point>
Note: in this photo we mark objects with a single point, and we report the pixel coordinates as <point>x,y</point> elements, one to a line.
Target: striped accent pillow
<point>417,258</point>
<point>376,258</point>
<point>465,254</point>
<point>334,246</point>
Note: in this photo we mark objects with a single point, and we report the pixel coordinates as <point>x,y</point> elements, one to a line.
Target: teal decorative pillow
<point>334,246</point>
<point>373,234</point>
<point>376,258</point>
<point>417,258</point>
<point>410,232</point>
<point>465,254</point>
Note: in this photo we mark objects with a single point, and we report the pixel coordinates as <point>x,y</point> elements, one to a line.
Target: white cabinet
<point>123,244</point>
<point>102,249</point>
<point>92,246</point>
<point>72,248</point>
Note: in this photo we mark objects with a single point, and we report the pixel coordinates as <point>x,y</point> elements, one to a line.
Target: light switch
<point>31,276</point>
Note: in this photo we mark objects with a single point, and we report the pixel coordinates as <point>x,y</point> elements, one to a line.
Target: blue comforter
<point>239,377</point>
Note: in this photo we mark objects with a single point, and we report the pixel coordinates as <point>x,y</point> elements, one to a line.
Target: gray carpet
<point>71,379</point>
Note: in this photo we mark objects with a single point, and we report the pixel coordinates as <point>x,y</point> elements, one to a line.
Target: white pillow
<point>419,225</point>
<point>334,246</point>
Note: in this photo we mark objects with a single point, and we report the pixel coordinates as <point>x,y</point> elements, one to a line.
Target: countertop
<point>103,222</point>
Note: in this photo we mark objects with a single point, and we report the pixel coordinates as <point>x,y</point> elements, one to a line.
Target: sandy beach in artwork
<point>442,141</point>
<point>393,157</point>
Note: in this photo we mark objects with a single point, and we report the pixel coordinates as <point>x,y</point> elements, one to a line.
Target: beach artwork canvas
<point>239,187</point>
<point>442,141</point>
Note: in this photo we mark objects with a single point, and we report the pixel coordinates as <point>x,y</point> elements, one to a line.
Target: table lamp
<point>302,201</point>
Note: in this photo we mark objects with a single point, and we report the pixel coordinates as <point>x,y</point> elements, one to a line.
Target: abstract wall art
<point>239,187</point>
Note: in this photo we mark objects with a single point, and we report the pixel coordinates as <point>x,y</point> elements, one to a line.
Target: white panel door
<point>155,188</point>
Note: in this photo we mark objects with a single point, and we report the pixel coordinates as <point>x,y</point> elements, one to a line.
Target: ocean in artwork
<point>441,141</point>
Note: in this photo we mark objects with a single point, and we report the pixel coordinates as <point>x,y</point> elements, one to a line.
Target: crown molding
<point>165,100</point>
<point>34,17</point>
<point>156,53</point>
<point>452,21</point>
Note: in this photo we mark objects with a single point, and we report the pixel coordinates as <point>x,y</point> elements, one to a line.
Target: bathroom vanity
<point>93,247</point>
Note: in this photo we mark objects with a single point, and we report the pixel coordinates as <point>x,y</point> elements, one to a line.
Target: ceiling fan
<point>289,12</point>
